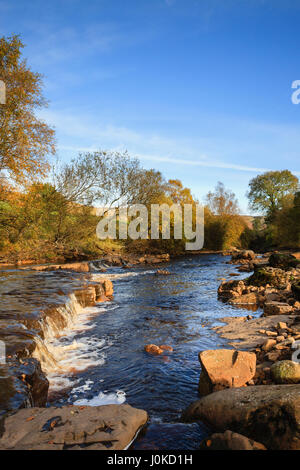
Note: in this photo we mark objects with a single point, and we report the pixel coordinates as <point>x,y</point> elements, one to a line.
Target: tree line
<point>47,211</point>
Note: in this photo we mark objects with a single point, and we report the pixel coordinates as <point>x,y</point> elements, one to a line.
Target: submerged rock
<point>225,368</point>
<point>107,427</point>
<point>165,347</point>
<point>153,349</point>
<point>269,414</point>
<point>162,272</point>
<point>246,299</point>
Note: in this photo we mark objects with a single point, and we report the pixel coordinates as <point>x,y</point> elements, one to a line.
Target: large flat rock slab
<point>269,414</point>
<point>107,427</point>
<point>245,334</point>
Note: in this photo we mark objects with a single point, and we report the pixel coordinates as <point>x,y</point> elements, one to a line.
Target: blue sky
<point>199,89</point>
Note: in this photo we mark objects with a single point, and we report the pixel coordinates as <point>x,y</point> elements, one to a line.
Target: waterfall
<point>60,355</point>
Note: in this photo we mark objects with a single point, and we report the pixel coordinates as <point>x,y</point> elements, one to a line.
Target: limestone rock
<point>246,299</point>
<point>231,289</point>
<point>225,368</point>
<point>277,308</point>
<point>269,344</point>
<point>107,427</point>
<point>243,255</point>
<point>108,288</point>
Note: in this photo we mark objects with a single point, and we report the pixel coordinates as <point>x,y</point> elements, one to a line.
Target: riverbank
<point>176,310</point>
<point>251,395</point>
<point>180,310</point>
<point>106,258</point>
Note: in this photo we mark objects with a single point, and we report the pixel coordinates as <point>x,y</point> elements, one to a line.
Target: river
<point>102,359</point>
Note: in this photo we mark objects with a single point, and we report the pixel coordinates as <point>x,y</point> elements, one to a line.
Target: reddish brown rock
<point>153,349</point>
<point>86,297</point>
<point>162,272</point>
<point>81,267</point>
<point>246,299</point>
<point>165,347</point>
<point>269,344</point>
<point>108,288</point>
<point>225,368</point>
<point>231,289</point>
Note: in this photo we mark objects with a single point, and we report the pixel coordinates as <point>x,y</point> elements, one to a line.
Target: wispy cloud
<point>84,134</point>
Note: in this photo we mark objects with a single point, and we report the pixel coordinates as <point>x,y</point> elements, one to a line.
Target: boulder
<point>283,261</point>
<point>107,427</point>
<point>246,299</point>
<point>269,344</point>
<point>243,255</point>
<point>225,368</point>
<point>230,441</point>
<point>270,414</point>
<point>231,289</point>
<point>286,372</point>
<point>277,308</point>
<point>165,347</point>
<point>108,288</point>
<point>275,277</point>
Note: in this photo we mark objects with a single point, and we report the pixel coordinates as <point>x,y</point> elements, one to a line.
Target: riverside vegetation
<point>251,397</point>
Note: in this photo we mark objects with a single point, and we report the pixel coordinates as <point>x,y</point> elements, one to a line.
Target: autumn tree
<point>223,224</point>
<point>222,201</point>
<point>270,191</point>
<point>178,193</point>
<point>25,140</point>
<point>108,178</point>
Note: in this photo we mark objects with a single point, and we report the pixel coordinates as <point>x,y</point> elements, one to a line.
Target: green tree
<point>25,140</point>
<point>270,191</point>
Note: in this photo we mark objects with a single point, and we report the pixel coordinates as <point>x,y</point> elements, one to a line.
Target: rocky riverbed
<point>250,384</point>
<point>252,393</point>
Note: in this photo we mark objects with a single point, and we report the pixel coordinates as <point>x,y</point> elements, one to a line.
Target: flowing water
<point>99,357</point>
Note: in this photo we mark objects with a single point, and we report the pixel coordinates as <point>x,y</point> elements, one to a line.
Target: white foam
<point>60,355</point>
<point>104,399</point>
<point>111,276</point>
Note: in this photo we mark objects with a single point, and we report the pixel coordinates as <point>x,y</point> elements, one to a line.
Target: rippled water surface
<point>178,310</point>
